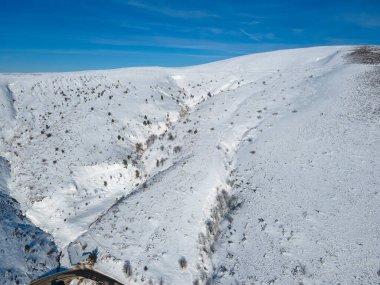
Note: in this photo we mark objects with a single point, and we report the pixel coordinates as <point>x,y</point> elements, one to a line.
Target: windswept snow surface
<point>262,169</point>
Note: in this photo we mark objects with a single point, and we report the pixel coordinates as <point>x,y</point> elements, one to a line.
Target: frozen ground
<point>262,169</point>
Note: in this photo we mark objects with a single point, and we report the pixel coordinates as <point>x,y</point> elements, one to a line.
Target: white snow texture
<point>262,169</point>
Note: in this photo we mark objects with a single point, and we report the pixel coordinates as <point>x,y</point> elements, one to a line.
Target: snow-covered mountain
<point>262,169</point>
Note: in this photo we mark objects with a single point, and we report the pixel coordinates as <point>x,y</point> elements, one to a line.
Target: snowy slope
<point>261,169</point>
<point>26,251</point>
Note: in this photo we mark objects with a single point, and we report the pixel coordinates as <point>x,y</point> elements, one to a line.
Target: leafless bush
<point>151,139</point>
<point>299,270</point>
<point>184,111</point>
<point>170,137</point>
<point>127,268</point>
<point>139,147</point>
<point>177,149</point>
<point>182,262</point>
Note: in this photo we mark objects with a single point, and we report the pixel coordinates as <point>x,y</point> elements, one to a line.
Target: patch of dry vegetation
<point>365,55</point>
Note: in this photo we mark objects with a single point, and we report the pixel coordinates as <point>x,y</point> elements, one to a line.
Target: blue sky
<point>64,35</point>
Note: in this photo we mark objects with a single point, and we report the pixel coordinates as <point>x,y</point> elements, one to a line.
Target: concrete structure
<point>78,272</point>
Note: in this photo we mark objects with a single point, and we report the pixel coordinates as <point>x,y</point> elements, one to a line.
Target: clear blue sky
<point>62,35</point>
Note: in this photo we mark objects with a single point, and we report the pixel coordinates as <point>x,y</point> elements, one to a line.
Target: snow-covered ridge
<point>157,165</point>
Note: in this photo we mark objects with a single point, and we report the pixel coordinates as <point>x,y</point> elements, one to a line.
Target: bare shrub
<point>151,139</point>
<point>182,262</point>
<point>170,137</point>
<point>177,149</point>
<point>127,268</point>
<point>139,147</point>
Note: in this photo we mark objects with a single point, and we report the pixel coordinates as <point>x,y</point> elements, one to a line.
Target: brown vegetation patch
<point>365,55</point>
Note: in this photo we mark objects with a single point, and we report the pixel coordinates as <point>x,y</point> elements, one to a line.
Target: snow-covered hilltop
<point>262,169</point>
